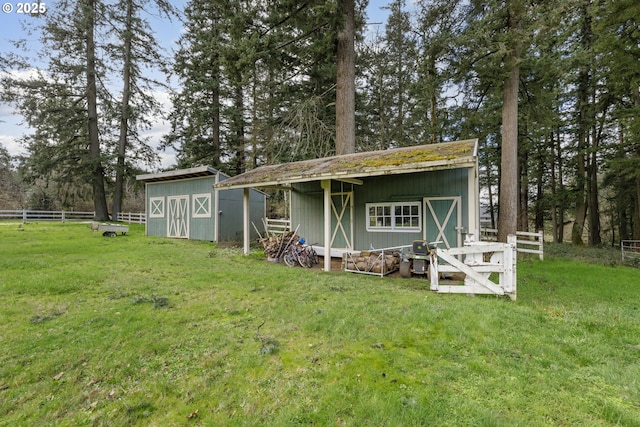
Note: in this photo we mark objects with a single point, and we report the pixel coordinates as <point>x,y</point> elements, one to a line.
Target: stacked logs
<point>371,262</point>
<point>275,246</point>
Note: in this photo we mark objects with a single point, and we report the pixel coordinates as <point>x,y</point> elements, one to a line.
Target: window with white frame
<point>156,207</point>
<point>201,206</point>
<point>403,216</point>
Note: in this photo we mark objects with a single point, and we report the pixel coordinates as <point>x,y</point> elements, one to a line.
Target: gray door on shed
<point>342,220</point>
<point>443,220</point>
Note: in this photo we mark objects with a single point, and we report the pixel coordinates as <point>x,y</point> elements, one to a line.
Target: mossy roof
<point>447,155</point>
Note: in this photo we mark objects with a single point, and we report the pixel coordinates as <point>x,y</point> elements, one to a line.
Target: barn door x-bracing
<point>342,220</point>
<point>178,217</point>
<point>443,221</point>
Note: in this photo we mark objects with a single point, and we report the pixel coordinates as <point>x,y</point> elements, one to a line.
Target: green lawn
<point>136,330</point>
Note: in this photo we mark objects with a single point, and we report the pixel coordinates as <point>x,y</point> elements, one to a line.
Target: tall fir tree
<point>135,52</point>
<point>195,116</point>
<point>68,98</point>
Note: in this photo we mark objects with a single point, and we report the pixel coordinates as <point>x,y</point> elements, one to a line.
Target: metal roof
<point>447,155</point>
<point>177,174</point>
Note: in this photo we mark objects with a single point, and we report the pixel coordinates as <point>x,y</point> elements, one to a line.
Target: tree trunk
<point>345,82</point>
<point>508,197</point>
<point>635,224</point>
<point>561,202</point>
<point>215,131</point>
<point>584,84</point>
<point>581,205</point>
<point>523,190</point>
<point>492,212</point>
<point>239,164</point>
<point>97,172</point>
<point>554,192</point>
<point>539,213</point>
<point>592,193</point>
<point>433,103</point>
<point>124,113</point>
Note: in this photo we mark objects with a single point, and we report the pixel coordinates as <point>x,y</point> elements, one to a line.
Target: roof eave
<point>177,174</point>
<point>462,162</point>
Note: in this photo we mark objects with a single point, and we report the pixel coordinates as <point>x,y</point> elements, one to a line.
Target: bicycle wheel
<point>310,257</point>
<point>290,258</point>
<point>303,259</point>
<point>313,256</point>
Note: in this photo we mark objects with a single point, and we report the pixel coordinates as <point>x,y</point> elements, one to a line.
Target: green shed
<point>183,204</point>
<point>378,199</point>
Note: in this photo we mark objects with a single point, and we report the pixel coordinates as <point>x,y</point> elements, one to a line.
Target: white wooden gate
<point>178,217</point>
<point>477,268</point>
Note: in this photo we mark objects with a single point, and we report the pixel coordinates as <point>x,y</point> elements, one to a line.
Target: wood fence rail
<point>62,216</point>
<point>630,250</point>
<point>132,217</point>
<point>528,242</point>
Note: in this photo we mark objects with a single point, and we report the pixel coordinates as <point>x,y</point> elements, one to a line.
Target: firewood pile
<point>275,246</point>
<point>371,262</point>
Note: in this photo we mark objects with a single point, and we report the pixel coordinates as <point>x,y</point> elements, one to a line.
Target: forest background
<point>255,82</point>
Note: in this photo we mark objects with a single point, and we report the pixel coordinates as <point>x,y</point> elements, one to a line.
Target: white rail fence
<point>528,242</point>
<point>276,226</point>
<point>630,250</point>
<point>132,217</point>
<point>26,215</point>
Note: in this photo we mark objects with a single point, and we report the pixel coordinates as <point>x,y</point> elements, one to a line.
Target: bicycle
<point>299,254</point>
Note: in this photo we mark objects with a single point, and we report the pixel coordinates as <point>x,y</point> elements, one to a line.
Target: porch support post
<point>326,186</point>
<point>474,202</point>
<point>216,208</point>
<point>147,208</point>
<point>246,220</point>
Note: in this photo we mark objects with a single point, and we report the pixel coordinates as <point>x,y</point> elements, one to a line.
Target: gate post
<point>433,270</point>
<point>510,262</point>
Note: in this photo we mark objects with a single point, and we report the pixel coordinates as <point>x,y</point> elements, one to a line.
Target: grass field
<point>136,330</point>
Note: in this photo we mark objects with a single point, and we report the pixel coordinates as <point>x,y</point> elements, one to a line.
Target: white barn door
<point>443,221</point>
<point>178,217</point>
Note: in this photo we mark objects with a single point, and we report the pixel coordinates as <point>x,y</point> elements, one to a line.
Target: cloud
<point>159,128</point>
<point>11,144</point>
<point>11,130</point>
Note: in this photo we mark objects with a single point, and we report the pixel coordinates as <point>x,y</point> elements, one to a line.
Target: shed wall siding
<point>307,211</point>
<point>307,205</point>
<point>230,215</point>
<point>199,228</point>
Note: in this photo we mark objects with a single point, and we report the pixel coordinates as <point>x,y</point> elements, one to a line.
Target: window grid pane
<point>394,216</point>
<point>408,218</point>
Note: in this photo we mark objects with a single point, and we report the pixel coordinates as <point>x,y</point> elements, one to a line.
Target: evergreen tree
<point>195,116</point>
<point>618,31</point>
<point>508,219</point>
<point>345,80</point>
<point>60,103</point>
<point>11,186</point>
<point>491,49</point>
<point>401,64</point>
<point>136,52</point>
<point>439,25</point>
<point>69,100</point>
